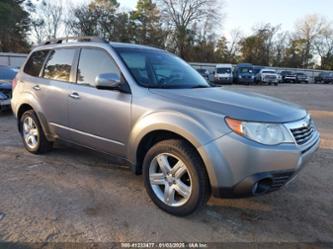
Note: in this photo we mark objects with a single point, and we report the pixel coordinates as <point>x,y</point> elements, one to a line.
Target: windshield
<point>245,70</point>
<point>159,69</point>
<point>223,70</point>
<point>268,72</point>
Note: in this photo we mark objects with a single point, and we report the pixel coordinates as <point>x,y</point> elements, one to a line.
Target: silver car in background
<point>269,76</point>
<point>158,115</point>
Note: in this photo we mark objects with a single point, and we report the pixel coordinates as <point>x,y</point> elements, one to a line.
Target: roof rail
<point>74,38</point>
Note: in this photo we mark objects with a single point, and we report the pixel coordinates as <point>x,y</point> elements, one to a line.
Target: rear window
<point>59,64</point>
<point>35,63</point>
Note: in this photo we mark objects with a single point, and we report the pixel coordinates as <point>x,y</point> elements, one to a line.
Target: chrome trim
<point>303,123</point>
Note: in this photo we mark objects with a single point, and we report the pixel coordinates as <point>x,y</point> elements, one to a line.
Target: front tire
<point>175,177</point>
<point>32,134</point>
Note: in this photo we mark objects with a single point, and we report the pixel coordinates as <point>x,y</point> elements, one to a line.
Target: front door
<point>99,119</point>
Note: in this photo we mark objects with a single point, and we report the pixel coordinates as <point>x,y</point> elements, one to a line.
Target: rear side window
<point>35,63</point>
<point>92,63</point>
<point>59,64</point>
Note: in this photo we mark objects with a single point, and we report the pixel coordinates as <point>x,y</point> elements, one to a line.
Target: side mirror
<point>108,81</point>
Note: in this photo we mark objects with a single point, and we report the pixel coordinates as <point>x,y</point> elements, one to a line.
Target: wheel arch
<point>26,106</point>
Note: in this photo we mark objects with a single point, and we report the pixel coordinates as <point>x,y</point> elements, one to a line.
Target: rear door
<point>54,89</point>
<point>99,119</point>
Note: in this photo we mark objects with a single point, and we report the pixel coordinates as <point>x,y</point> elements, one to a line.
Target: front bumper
<point>239,167</point>
<point>221,80</point>
<point>245,80</point>
<point>267,80</point>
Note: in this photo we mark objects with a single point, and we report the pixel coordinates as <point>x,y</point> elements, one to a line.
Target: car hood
<point>5,86</point>
<point>236,104</point>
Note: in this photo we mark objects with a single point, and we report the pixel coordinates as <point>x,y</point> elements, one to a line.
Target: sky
<point>244,14</point>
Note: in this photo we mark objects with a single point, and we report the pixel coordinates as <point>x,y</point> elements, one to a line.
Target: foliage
<point>14,25</point>
<point>189,28</point>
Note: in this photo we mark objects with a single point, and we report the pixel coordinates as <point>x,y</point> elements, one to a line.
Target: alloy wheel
<point>170,179</point>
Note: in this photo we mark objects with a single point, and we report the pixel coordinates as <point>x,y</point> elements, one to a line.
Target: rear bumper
<point>238,167</point>
<point>5,105</point>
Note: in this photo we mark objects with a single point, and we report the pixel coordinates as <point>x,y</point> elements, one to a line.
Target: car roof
<point>94,44</point>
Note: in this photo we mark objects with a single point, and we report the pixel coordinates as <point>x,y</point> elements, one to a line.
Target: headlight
<point>264,133</point>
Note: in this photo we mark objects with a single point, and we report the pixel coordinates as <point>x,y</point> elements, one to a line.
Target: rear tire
<point>184,187</point>
<point>32,134</point>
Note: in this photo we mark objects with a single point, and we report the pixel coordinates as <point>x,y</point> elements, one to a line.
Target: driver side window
<point>92,63</point>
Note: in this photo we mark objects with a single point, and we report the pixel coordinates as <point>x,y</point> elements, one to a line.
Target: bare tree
<point>181,15</point>
<point>47,19</point>
<point>308,29</point>
<point>324,45</point>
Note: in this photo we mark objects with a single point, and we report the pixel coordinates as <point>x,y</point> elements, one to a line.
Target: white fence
<point>12,59</point>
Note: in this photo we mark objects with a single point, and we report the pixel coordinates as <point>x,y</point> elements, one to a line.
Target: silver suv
<point>154,111</point>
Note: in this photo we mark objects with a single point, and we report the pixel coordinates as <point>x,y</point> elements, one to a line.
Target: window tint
<point>158,69</point>
<point>92,63</point>
<point>59,64</point>
<point>35,63</point>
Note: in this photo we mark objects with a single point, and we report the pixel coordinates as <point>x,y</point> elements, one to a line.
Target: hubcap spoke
<point>182,189</point>
<point>30,122</point>
<point>162,161</point>
<point>179,169</point>
<point>34,132</point>
<point>157,179</point>
<point>33,140</point>
<point>25,127</point>
<point>169,195</point>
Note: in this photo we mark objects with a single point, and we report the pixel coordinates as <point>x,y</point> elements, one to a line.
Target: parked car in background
<point>223,74</point>
<point>288,77</point>
<point>269,76</point>
<point>302,78</point>
<point>256,70</point>
<point>324,77</point>
<point>243,74</point>
<point>204,73</point>
<point>7,74</point>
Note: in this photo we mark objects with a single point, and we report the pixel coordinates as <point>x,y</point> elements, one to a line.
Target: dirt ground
<point>74,195</point>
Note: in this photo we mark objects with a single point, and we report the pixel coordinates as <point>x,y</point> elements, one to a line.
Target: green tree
<point>146,26</point>
<point>296,53</point>
<point>14,25</point>
<point>100,18</point>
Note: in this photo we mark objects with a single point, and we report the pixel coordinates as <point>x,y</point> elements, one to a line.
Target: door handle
<point>74,95</point>
<point>36,88</point>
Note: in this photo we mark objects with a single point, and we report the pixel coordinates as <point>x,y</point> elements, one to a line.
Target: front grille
<point>270,77</point>
<point>280,179</point>
<point>303,134</point>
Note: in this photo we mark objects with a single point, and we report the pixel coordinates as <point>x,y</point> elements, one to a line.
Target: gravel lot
<point>74,195</point>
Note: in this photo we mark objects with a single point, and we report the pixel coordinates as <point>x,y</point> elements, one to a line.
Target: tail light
<point>14,82</point>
